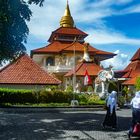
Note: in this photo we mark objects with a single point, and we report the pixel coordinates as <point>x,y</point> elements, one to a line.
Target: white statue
<point>102,81</point>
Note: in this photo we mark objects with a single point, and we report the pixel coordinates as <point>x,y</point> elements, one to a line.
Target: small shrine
<point>85,67</point>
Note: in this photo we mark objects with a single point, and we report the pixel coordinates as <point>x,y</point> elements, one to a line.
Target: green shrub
<point>112,86</point>
<point>93,98</point>
<point>121,101</point>
<point>52,87</point>
<point>16,96</point>
<point>137,83</point>
<point>89,89</point>
<point>83,97</point>
<point>69,89</point>
<point>44,97</point>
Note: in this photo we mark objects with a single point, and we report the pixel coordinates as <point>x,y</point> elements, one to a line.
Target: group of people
<point>111,104</point>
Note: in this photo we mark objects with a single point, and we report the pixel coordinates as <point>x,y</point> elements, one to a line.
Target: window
<point>50,61</point>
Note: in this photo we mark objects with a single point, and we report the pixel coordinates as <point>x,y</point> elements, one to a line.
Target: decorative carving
<point>102,81</point>
<point>86,54</point>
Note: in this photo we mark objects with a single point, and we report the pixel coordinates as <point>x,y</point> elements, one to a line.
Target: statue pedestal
<point>74,103</point>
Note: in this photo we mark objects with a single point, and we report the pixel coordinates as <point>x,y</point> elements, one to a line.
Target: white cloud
<point>107,36</point>
<point>122,2</point>
<point>119,62</point>
<point>132,9</point>
<point>46,19</point>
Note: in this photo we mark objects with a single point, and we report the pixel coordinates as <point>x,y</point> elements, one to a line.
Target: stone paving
<point>61,125</point>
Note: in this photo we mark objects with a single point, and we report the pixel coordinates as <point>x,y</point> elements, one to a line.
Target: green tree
<point>40,2</point>
<point>137,83</point>
<point>13,28</point>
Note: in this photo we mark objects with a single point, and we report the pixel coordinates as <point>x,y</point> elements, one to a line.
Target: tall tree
<point>40,2</point>
<point>13,28</point>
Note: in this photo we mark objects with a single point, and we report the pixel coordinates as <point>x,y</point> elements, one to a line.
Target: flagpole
<point>74,73</point>
<point>74,67</point>
<point>74,102</point>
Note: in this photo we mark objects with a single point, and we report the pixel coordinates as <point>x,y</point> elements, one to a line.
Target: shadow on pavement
<point>44,126</point>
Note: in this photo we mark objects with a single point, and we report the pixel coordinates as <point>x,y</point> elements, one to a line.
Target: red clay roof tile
<point>57,47</point>
<point>67,31</point>
<point>131,81</point>
<point>72,31</point>
<point>136,55</point>
<point>91,67</point>
<point>133,69</point>
<point>25,71</point>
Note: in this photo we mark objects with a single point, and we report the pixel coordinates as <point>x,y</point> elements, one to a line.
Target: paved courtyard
<point>61,125</point>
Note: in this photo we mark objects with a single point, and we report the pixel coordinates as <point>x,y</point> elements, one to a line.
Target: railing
<point>56,69</point>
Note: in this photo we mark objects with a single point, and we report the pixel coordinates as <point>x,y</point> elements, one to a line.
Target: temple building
<point>129,75</point>
<point>65,52</point>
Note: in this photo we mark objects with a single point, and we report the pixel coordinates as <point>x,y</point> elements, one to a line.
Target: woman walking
<point>110,118</point>
<point>135,103</point>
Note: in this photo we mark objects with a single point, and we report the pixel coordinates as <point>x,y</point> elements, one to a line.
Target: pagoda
<point>66,48</point>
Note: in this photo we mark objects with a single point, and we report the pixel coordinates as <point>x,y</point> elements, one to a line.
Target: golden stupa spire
<point>67,20</point>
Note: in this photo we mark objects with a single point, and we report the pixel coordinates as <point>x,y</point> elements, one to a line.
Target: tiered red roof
<point>133,69</point>
<point>60,47</point>
<point>25,71</point>
<point>67,31</point>
<point>136,56</point>
<point>91,67</point>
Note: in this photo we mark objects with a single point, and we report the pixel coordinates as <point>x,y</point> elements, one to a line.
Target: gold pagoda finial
<point>67,20</point>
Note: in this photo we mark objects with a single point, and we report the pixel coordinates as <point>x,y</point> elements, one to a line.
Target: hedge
<point>30,96</point>
<point>44,96</point>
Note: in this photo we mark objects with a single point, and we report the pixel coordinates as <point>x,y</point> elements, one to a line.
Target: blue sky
<point>112,25</point>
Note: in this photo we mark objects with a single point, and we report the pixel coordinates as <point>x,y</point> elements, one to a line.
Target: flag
<point>87,80</point>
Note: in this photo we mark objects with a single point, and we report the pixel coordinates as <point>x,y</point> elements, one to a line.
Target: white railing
<point>56,69</point>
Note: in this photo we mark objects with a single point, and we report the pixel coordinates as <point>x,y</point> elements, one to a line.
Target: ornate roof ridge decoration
<point>86,56</point>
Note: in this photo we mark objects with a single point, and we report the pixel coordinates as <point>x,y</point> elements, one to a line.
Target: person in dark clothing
<point>110,118</point>
<point>135,103</point>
